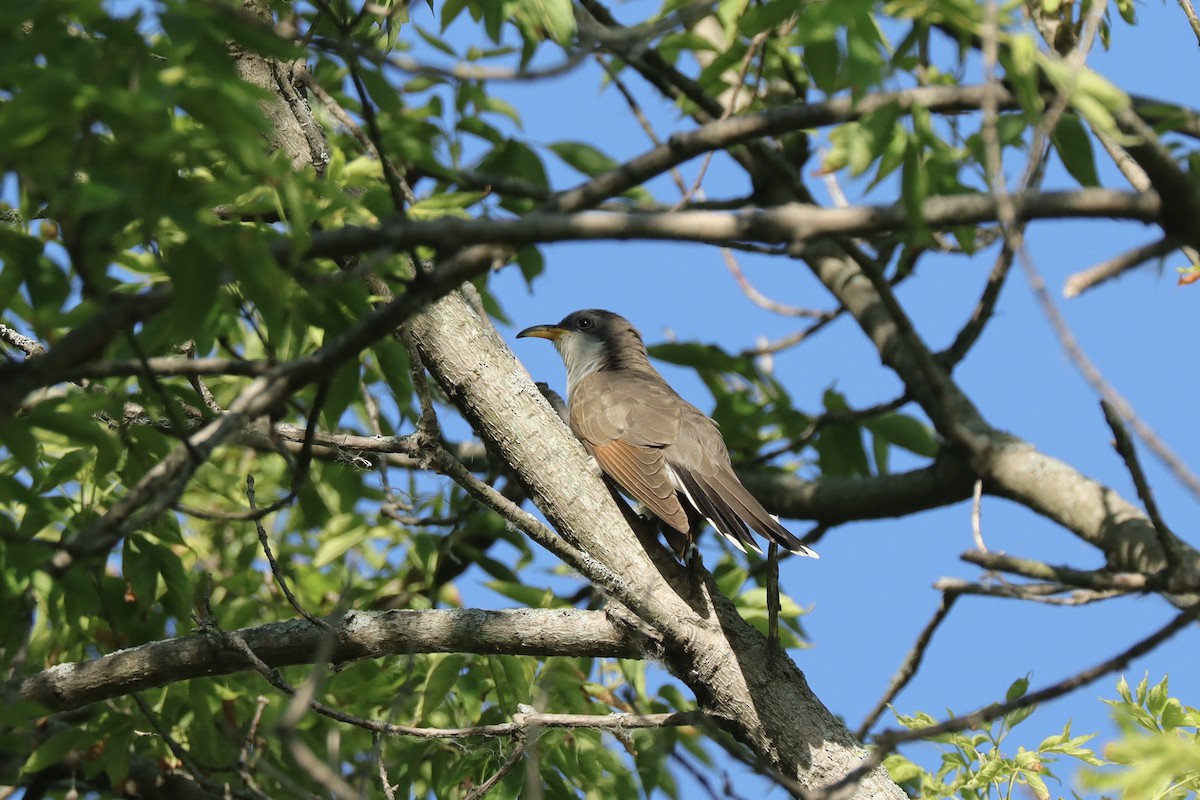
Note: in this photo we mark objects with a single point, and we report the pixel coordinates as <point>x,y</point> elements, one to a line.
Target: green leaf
<point>515,160</point>
<point>65,468</point>
<point>513,678</point>
<point>52,751</point>
<point>900,769</point>
<point>117,754</point>
<point>904,431</point>
<point>555,17</point>
<point>823,61</point>
<point>840,449</point>
<point>1074,146</point>
<point>915,188</point>
<point>440,679</point>
<point>760,17</point>
<point>584,157</point>
<point>530,596</point>
<point>729,576</point>
<point>703,357</point>
<point>1018,688</point>
<point>342,533</point>
<point>342,390</point>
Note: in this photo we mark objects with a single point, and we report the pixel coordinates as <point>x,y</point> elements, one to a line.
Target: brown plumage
<point>659,448</point>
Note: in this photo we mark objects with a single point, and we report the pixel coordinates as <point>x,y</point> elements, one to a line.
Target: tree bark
<point>357,635</point>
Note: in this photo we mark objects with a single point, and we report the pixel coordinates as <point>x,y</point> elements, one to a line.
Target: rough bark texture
<point>358,635</point>
<point>739,678</point>
<point>293,128</point>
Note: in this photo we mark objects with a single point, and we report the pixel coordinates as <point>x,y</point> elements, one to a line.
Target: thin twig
<point>636,109</point>
<point>318,770</point>
<point>1092,277</point>
<point>347,121</point>
<point>389,791</point>
<point>792,339</point>
<point>206,396</point>
<point>1124,446</point>
<point>912,662</point>
<point>1190,13</point>
<point>391,175</point>
<point>1046,593</point>
<point>1101,386</point>
<point>180,753</point>
<point>977,516</point>
<point>32,348</point>
<point>177,750</point>
<point>276,570</point>
<point>250,743</point>
<point>760,299</point>
<point>983,311</point>
<point>731,106</point>
<point>513,759</point>
<point>1100,580</point>
<point>170,366</point>
<point>816,423</point>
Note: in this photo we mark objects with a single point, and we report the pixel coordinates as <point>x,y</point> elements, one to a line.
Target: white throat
<point>582,356</point>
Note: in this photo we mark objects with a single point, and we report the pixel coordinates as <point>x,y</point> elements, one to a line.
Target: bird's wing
<point>701,461</point>
<point>626,427</point>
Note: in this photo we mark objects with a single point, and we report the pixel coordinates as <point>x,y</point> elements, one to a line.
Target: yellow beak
<point>551,332</point>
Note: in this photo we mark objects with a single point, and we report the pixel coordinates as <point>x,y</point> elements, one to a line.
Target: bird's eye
<point>583,323</point>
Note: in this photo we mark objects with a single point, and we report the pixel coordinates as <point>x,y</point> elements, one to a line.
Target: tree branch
<point>359,635</point>
<point>785,224</point>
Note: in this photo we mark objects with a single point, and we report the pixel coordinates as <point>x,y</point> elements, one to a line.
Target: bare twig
<point>1124,446</point>
<point>1092,277</point>
<point>773,593</point>
<point>1046,593</point>
<point>732,105</point>
<point>32,348</point>
<point>367,143</point>
<point>177,750</point>
<point>1101,386</point>
<point>389,791</point>
<point>250,743</point>
<point>513,759</point>
<point>391,175</point>
<point>318,770</point>
<point>1192,19</point>
<point>785,224</point>
<point>816,423</point>
<point>635,108</point>
<point>792,339</point>
<point>760,299</point>
<point>276,570</point>
<point>977,516</point>
<point>908,669</point>
<point>982,312</point>
<point>168,367</point>
<point>520,723</point>
<point>1100,580</point>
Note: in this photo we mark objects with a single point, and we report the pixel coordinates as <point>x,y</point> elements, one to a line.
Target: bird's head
<point>591,340</point>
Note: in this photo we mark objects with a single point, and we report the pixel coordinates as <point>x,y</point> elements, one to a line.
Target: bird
<point>657,447</point>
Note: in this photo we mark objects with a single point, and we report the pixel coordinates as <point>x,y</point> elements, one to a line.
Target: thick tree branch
<point>786,224</point>
<point>359,635</point>
<point>836,500</point>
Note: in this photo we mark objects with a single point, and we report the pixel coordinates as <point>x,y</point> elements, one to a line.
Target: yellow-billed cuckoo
<point>659,448</point>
